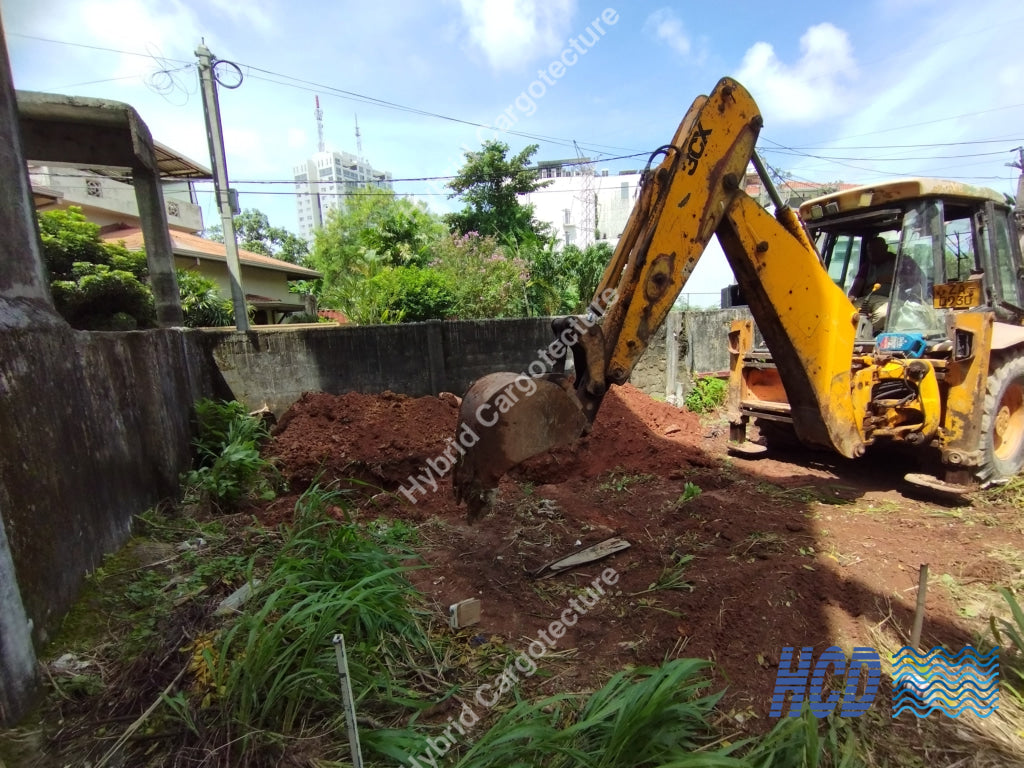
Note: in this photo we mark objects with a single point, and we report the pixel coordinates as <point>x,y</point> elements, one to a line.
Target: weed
<point>619,480</point>
<point>229,465</point>
<point>1014,631</point>
<point>671,578</point>
<point>1011,493</point>
<point>649,717</point>
<point>690,492</point>
<point>706,395</point>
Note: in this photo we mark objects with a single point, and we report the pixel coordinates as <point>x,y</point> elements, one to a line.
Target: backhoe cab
<point>937,356</point>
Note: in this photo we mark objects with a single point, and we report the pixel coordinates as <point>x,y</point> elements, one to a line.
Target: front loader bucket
<point>506,418</point>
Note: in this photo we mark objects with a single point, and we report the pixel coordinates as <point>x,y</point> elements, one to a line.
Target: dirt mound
<point>632,433</point>
<point>383,439</point>
<point>376,439</point>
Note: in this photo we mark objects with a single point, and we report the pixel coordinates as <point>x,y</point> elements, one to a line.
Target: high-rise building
<point>323,181</point>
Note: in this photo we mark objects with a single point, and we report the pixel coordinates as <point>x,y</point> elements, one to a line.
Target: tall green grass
<point>650,718</point>
<point>275,664</point>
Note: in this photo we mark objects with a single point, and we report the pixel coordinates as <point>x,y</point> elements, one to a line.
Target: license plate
<point>957,295</point>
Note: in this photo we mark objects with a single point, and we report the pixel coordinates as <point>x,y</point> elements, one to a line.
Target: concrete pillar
<point>24,302</point>
<point>24,290</point>
<point>159,253</point>
<point>673,388</point>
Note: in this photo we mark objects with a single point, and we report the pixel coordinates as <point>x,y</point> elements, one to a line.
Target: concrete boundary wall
<point>94,429</point>
<point>273,367</point>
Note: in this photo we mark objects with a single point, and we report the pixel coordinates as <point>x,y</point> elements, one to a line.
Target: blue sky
<point>850,91</point>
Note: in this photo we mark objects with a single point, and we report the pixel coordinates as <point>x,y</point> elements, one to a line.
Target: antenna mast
<point>359,139</point>
<point>588,207</point>
<point>319,115</point>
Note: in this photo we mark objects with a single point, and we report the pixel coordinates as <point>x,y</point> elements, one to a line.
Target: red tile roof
<point>185,244</point>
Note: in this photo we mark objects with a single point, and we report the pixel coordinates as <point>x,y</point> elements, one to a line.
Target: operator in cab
<point>873,284</point>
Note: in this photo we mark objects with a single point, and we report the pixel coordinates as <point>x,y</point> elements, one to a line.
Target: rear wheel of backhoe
<point>1002,423</point>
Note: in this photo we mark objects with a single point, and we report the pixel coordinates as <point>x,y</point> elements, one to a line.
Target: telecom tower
<point>319,115</point>
<point>588,203</point>
<point>359,139</point>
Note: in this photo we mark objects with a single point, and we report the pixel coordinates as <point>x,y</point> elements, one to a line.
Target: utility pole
<point>215,136</point>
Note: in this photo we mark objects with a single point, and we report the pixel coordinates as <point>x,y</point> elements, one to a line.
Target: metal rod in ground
<point>922,591</point>
<point>347,701</point>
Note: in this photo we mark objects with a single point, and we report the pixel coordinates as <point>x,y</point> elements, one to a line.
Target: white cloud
<point>813,88</point>
<point>668,28</point>
<point>512,32</point>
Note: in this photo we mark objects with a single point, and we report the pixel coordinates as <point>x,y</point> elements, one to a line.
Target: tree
<point>255,233</point>
<point>489,183</point>
<point>563,282</point>
<point>372,231</point>
<point>95,285</point>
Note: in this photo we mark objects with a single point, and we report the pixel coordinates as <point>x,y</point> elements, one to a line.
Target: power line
<point>94,47</point>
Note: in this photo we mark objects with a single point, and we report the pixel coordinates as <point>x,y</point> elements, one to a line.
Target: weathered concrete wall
<point>687,345</point>
<point>708,335</point>
<point>95,428</point>
<point>274,366</point>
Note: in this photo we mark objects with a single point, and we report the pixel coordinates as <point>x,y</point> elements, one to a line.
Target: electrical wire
<point>91,47</point>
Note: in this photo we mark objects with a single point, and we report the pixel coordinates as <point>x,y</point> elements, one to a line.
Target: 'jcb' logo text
<point>695,149</point>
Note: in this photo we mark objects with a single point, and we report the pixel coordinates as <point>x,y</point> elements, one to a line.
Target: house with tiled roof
<point>265,279</point>
<point>107,198</point>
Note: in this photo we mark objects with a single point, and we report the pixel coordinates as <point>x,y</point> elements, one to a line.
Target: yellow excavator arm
<point>695,192</point>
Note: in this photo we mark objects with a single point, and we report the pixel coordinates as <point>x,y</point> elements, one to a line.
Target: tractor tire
<point>1002,422</point>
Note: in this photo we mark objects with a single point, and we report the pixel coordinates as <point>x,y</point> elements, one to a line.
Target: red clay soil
<point>803,549</point>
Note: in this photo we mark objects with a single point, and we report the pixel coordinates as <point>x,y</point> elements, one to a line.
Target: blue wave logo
<point>949,683</point>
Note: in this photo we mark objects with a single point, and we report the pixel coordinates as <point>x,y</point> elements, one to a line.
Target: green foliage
<point>690,492</point>
<point>229,465</point>
<point>371,232</point>
<point>255,233</point>
<point>706,395</point>
<point>563,282</point>
<point>488,282</point>
<point>1014,631</point>
<point>489,183</point>
<point>408,294</point>
<point>620,480</point>
<point>201,302</point>
<point>650,718</point>
<point>275,665</point>
<point>95,285</point>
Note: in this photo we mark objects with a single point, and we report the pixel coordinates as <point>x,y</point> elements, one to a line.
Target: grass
<point>645,718</point>
<point>671,577</point>
<point>620,481</point>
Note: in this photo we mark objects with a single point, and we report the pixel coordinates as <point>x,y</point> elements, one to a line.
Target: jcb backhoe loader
<point>931,355</point>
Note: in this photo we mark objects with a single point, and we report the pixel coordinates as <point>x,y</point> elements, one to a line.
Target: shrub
<point>409,294</point>
<point>202,303</point>
<point>95,285</point>
<point>706,395</point>
<point>229,465</point>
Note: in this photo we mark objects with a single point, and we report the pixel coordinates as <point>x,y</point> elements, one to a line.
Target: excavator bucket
<point>506,418</point>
